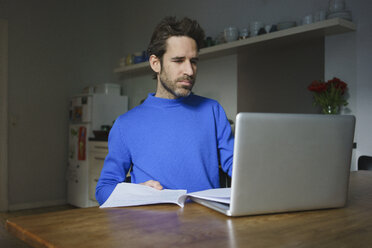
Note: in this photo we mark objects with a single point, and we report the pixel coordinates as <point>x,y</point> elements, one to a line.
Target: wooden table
<point>197,226</point>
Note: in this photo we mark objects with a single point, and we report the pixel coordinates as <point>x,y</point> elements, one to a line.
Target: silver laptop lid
<point>290,162</point>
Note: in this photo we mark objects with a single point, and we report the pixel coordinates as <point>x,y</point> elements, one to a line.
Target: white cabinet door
<point>97,154</point>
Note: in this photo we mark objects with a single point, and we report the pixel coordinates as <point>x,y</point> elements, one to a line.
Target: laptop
<point>288,162</point>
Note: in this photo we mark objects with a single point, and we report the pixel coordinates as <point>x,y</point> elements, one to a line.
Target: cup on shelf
<point>145,56</point>
<point>220,38</point>
<point>273,28</point>
<point>320,16</point>
<point>231,33</point>
<point>268,28</point>
<point>138,58</point>
<point>208,42</point>
<point>255,27</point>
<point>308,19</point>
<point>244,33</point>
<point>129,59</point>
<point>261,31</point>
<point>336,5</point>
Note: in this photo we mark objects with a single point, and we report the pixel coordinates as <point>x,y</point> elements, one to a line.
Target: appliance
<point>88,112</point>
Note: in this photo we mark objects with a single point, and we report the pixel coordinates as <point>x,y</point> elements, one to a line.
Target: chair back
<point>365,163</point>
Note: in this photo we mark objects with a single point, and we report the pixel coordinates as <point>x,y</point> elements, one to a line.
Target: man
<point>174,139</point>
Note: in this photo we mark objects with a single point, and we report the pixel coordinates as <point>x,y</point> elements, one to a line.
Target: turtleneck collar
<point>164,102</point>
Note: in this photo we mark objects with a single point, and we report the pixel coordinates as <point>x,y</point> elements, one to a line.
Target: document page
<point>131,194</point>
<point>218,195</point>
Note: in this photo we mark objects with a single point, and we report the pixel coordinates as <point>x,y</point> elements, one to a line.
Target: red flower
<point>337,84</point>
<point>328,94</point>
<point>317,86</point>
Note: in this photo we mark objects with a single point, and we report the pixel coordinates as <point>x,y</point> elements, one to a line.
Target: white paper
<point>130,194</point>
<point>218,195</point>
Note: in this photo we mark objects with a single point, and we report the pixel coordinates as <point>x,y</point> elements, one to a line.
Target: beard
<point>172,86</point>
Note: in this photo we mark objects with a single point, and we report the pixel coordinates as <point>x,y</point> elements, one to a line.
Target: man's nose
<point>188,68</point>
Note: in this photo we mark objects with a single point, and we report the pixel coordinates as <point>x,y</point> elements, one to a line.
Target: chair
<point>225,180</point>
<point>365,163</point>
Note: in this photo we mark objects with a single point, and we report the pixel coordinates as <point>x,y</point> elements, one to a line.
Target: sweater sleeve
<point>225,141</point>
<point>116,165</point>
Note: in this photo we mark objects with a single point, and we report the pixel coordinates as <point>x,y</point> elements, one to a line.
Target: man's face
<point>178,69</point>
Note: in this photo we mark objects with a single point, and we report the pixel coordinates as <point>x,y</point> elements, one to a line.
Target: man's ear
<point>155,63</point>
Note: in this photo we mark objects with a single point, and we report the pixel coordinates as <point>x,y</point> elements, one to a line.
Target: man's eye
<point>194,61</point>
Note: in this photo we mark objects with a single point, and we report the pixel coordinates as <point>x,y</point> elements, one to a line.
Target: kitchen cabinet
<point>97,153</point>
<point>272,70</point>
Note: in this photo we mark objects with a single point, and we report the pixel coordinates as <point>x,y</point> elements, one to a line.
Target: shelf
<point>317,29</point>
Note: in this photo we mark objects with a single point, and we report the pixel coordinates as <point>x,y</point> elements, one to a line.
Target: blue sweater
<point>179,143</point>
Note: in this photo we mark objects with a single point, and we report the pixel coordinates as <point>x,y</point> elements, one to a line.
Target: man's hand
<point>153,184</point>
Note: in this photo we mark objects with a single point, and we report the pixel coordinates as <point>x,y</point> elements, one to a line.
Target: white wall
<point>3,114</point>
<point>41,72</point>
<point>4,6</point>
<point>217,79</point>
<point>349,57</point>
<point>364,77</point>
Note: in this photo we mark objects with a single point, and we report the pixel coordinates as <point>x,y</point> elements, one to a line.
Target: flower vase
<point>331,110</point>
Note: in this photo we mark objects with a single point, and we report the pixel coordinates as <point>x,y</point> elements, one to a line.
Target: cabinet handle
<point>98,158</point>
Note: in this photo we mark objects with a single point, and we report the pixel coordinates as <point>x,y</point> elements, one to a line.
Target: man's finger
<point>154,184</point>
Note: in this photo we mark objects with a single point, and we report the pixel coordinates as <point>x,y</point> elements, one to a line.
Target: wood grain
<point>168,225</point>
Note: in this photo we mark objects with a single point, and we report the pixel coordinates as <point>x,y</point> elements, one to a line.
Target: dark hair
<point>169,27</point>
